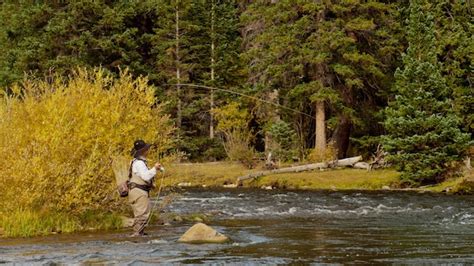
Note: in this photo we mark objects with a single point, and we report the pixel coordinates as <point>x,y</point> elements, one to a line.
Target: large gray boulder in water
<point>201,233</point>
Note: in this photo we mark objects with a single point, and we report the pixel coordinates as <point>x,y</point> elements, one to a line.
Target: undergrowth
<point>26,223</point>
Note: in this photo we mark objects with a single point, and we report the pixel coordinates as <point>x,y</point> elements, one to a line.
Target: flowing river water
<point>280,227</point>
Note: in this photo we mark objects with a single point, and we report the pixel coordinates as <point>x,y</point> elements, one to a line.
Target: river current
<point>280,227</point>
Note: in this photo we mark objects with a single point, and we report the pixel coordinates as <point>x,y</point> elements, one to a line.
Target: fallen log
<point>347,162</point>
<point>362,165</point>
<point>294,169</point>
<point>302,168</point>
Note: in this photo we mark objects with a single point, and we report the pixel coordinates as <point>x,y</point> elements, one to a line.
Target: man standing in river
<point>141,182</point>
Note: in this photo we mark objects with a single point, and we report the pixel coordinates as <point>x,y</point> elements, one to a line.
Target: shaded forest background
<point>328,67</point>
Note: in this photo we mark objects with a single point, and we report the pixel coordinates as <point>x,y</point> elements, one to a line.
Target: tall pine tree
<point>58,36</point>
<point>453,22</point>
<point>332,59</point>
<point>223,42</point>
<point>196,42</point>
<point>424,136</point>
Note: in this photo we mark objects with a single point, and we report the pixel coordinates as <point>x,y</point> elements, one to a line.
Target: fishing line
<point>243,95</point>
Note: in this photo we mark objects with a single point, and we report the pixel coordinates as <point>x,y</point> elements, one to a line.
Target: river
<point>280,227</point>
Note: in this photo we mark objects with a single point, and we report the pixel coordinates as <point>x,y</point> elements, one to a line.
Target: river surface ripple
<point>280,227</point>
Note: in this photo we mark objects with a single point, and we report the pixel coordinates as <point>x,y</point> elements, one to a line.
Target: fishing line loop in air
<point>243,95</point>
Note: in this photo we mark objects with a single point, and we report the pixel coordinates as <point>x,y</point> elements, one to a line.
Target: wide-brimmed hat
<point>139,146</point>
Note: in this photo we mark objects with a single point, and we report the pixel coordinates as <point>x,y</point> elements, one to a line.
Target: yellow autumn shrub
<point>232,124</point>
<point>58,138</point>
<point>328,155</point>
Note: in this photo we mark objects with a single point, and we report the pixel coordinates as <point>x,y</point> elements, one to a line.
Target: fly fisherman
<point>141,182</point>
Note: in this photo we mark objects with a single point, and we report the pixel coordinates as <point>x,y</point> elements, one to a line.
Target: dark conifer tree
<point>423,130</point>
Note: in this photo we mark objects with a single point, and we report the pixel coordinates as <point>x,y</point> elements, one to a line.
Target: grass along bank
<point>223,173</point>
<point>340,179</point>
<point>219,174</point>
<point>460,185</point>
<point>27,223</point>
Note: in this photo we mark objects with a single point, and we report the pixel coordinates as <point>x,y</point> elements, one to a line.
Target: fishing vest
<point>137,182</point>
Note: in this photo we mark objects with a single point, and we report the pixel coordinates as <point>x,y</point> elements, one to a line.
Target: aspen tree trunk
<point>274,117</point>
<point>320,144</point>
<point>178,73</point>
<point>211,126</point>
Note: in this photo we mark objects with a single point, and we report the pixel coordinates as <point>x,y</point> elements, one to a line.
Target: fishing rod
<point>243,95</point>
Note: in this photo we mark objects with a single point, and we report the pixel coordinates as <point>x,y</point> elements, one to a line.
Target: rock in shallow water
<point>201,233</point>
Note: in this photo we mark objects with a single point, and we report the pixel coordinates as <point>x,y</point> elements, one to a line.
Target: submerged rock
<point>201,233</point>
<point>178,219</point>
<point>157,241</point>
<point>198,219</point>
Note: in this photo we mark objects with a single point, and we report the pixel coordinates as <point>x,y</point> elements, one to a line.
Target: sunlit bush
<point>232,124</point>
<point>57,138</point>
<point>329,154</point>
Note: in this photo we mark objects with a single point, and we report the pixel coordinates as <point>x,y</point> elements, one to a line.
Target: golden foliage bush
<point>58,137</point>
<point>233,124</point>
<point>237,147</point>
<point>329,154</point>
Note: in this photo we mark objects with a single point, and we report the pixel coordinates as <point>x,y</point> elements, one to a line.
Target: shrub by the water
<point>57,138</point>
